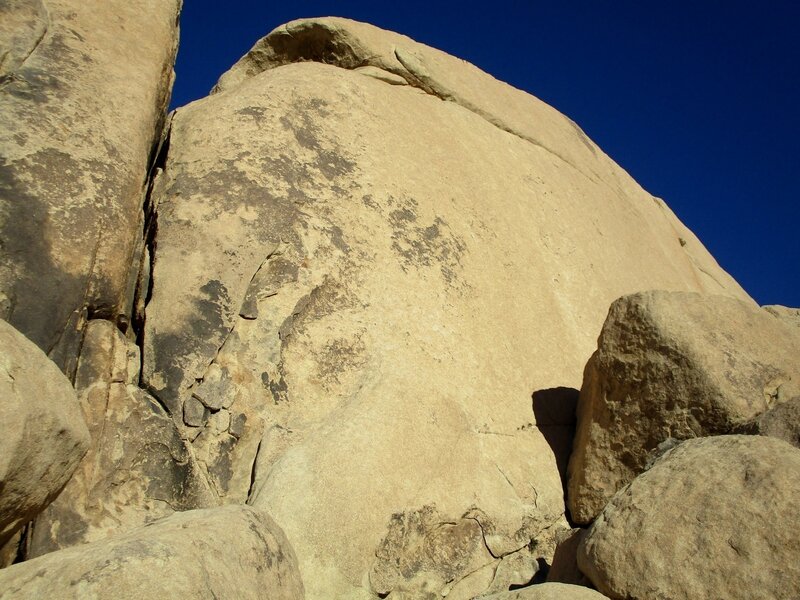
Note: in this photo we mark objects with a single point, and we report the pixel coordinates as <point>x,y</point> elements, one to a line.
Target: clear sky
<point>698,101</point>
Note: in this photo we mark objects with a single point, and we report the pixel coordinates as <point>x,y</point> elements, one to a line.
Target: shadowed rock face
<point>137,470</point>
<point>369,256</point>
<point>83,93</point>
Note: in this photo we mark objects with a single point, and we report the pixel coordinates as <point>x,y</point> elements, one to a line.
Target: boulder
<point>351,336</point>
<point>712,518</point>
<point>43,435</point>
<point>673,365</point>
<point>226,552</point>
<point>137,470</point>
<point>549,591</point>
<point>781,421</point>
<point>84,91</point>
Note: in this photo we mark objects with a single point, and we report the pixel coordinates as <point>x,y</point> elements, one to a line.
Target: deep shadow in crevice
<point>539,577</point>
<point>554,410</point>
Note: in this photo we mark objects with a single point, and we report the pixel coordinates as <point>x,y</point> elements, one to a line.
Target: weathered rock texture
<point>227,552</point>
<point>369,255</point>
<point>713,518</point>
<point>564,567</point>
<point>42,432</point>
<point>549,591</point>
<point>786,314</point>
<point>138,468</point>
<point>781,421</point>
<point>673,365</point>
<point>83,90</point>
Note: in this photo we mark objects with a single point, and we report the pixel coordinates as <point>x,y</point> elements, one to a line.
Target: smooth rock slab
<point>713,518</point>
<point>43,435</point>
<point>227,552</point>
<point>673,365</point>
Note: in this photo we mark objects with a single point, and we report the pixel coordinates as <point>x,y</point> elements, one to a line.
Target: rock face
<point>84,90</point>
<point>713,518</point>
<point>227,552</point>
<point>673,366</point>
<point>137,470</point>
<point>366,263</point>
<point>43,435</point>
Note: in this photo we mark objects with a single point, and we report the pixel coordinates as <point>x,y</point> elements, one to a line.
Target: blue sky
<point>698,101</point>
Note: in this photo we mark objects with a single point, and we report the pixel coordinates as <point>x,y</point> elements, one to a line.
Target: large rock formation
<point>137,470</point>
<point>673,366</point>
<point>227,552</point>
<point>713,518</point>
<point>83,90</point>
<point>366,262</point>
<point>42,432</point>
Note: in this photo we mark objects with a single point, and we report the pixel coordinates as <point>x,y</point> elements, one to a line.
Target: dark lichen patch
<point>339,356</point>
<point>256,113</point>
<point>42,295</point>
<point>213,308</point>
<point>337,238</point>
<point>329,159</point>
<point>422,541</point>
<point>220,471</point>
<point>278,388</point>
<point>202,336</point>
<point>426,246</point>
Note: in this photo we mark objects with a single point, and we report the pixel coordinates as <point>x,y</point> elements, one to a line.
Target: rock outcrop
<point>366,263</point>
<point>226,552</point>
<point>137,470</point>
<point>42,432</point>
<point>355,287</point>
<point>713,518</point>
<point>673,366</point>
<point>83,91</point>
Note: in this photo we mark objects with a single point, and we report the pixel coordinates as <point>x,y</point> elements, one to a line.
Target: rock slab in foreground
<point>713,518</point>
<point>43,435</point>
<point>673,365</point>
<point>227,552</point>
